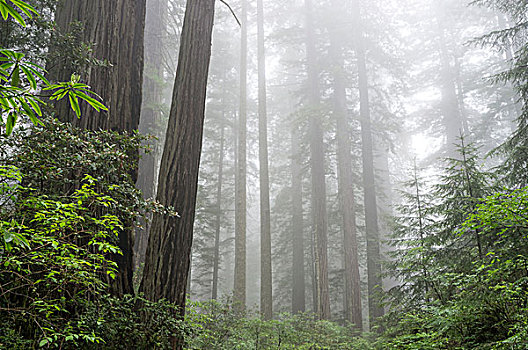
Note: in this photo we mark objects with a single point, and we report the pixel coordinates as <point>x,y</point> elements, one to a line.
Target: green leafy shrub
<point>52,259</point>
<point>54,158</point>
<point>66,195</point>
<point>487,304</point>
<point>215,325</point>
<point>130,323</point>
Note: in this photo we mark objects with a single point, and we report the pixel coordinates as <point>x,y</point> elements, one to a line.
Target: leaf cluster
<point>53,257</point>
<point>21,80</point>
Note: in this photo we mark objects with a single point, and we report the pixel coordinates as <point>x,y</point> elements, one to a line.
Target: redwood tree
<point>241,192</point>
<point>167,258</point>
<point>320,230</point>
<point>266,300</point>
<point>115,29</point>
<point>345,180</point>
<point>371,207</point>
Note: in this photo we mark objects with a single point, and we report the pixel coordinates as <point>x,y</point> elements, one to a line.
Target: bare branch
<point>232,12</point>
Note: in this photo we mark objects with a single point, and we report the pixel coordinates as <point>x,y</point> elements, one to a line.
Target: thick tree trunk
<point>299,286</point>
<point>266,300</point>
<point>116,28</point>
<point>346,188</point>
<point>240,201</point>
<point>371,208</point>
<point>216,261</point>
<point>317,162</point>
<point>168,253</point>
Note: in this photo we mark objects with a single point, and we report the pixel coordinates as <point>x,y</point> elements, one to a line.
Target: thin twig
<point>232,12</point>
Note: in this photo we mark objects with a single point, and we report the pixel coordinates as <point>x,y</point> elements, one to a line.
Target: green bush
<point>215,325</point>
<point>52,259</point>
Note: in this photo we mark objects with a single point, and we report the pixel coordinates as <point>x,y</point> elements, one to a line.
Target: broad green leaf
<point>15,15</point>
<point>15,77</point>
<point>25,7</point>
<point>4,103</point>
<point>59,94</point>
<point>35,105</point>
<point>30,113</point>
<point>10,123</point>
<point>92,101</point>
<point>74,102</point>
<point>7,65</point>
<point>3,11</point>
<point>38,74</point>
<point>30,77</point>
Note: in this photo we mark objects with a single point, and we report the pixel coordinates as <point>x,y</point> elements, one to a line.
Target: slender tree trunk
<point>266,291</point>
<point>313,272</point>
<point>346,188</point>
<point>240,201</point>
<point>451,116</point>
<point>384,193</point>
<point>421,227</point>
<point>317,162</point>
<point>168,253</point>
<point>471,194</point>
<point>299,286</point>
<point>460,96</point>
<point>155,29</point>
<point>216,261</point>
<point>371,208</point>
<point>117,29</point>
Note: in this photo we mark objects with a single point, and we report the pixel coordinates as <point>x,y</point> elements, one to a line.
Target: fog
<point>359,97</point>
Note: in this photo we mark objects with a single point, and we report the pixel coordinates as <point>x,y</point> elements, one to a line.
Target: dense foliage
<point>66,196</point>
<point>214,325</point>
<point>462,264</point>
<point>459,239</point>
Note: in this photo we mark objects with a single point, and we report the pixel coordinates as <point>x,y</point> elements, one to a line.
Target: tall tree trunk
<point>384,192</point>
<point>266,291</point>
<point>299,286</point>
<point>421,227</point>
<point>460,96</point>
<point>168,253</point>
<point>317,162</point>
<point>451,116</point>
<point>371,208</point>
<point>345,186</point>
<point>155,29</point>
<point>240,201</point>
<point>116,28</point>
<point>216,261</point>
<point>471,193</point>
